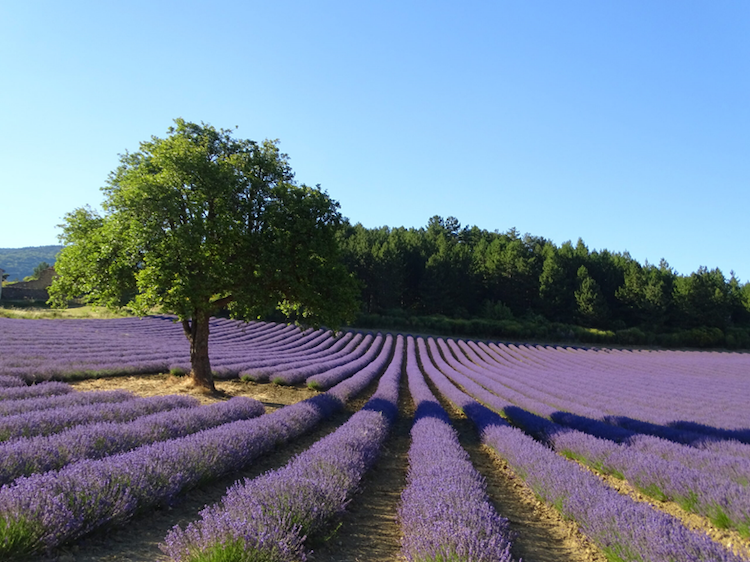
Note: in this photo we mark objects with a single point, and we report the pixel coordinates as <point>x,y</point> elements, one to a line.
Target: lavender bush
<point>43,511</point>
<point>380,350</point>
<point>445,513</point>
<point>12,407</point>
<point>46,422</point>
<point>34,391</point>
<point>269,518</point>
<point>626,530</point>
<point>7,381</point>
<point>23,457</point>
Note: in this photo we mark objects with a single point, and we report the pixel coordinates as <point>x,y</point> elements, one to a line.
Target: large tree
<point>199,221</point>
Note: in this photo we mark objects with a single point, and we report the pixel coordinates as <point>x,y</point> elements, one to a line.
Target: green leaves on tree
<point>199,221</point>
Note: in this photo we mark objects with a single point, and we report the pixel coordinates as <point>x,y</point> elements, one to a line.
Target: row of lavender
<point>710,479</point>
<point>453,521</point>
<point>51,507</point>
<point>117,486</point>
<point>36,350</point>
<point>276,516</point>
<point>623,528</point>
<point>708,388</point>
<point>372,351</point>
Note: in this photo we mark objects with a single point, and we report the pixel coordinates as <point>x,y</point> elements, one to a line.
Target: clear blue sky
<point>625,123</point>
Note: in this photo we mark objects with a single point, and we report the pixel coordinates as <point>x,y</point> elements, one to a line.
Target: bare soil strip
<point>272,396</point>
<point>369,531</point>
<point>542,534</point>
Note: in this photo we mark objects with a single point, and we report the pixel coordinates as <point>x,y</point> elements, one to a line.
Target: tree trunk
<point>196,331</point>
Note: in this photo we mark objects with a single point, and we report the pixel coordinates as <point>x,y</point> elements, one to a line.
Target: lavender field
<point>644,454</point>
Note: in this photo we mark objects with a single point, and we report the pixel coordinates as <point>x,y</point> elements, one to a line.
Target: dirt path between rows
<point>139,539</point>
<point>542,534</point>
<point>369,530</point>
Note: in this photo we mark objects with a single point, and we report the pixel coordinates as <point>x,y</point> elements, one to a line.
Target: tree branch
<point>186,327</point>
<point>222,302</point>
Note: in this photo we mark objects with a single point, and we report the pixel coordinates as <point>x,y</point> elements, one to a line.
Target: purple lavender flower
<point>11,407</point>
<point>23,457</point>
<point>8,381</point>
<point>33,391</point>
<point>46,422</point>
<point>270,517</point>
<point>43,511</point>
<point>445,513</point>
<point>623,528</point>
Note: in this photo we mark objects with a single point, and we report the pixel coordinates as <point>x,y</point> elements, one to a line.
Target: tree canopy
<point>199,221</point>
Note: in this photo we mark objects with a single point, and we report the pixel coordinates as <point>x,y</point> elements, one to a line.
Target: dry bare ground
<point>369,530</point>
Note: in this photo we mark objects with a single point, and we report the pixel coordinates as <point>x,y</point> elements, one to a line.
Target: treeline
<point>453,280</point>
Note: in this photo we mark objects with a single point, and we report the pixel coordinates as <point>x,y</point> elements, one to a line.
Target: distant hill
<point>20,262</point>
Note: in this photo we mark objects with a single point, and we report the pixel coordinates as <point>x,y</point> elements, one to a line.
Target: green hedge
<point>542,331</point>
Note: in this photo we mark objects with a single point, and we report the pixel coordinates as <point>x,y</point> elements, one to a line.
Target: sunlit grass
<point>40,311</point>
